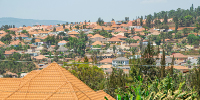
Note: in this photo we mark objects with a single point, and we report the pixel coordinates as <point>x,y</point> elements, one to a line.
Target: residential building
<point>120,61</point>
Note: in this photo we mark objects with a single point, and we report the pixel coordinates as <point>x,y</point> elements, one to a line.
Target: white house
<point>120,61</point>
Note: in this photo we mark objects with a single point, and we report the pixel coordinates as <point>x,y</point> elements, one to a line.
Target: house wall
<point>122,62</point>
<point>61,43</point>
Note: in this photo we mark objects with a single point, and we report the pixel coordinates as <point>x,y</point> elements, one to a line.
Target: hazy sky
<point>80,10</point>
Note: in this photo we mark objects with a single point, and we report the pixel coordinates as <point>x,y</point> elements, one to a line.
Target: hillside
<point>28,22</point>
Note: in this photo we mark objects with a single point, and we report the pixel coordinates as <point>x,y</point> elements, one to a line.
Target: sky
<point>81,10</point>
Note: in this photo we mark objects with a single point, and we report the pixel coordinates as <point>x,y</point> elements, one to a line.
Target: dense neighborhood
<point>153,47</point>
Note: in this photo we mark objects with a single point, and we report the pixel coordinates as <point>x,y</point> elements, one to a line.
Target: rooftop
<point>120,58</point>
<point>52,82</point>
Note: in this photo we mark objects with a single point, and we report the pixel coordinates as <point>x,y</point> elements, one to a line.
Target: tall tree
<point>100,21</point>
<point>141,21</point>
<point>114,48</point>
<point>54,29</point>
<point>176,23</point>
<point>63,26</point>
<point>163,65</point>
<point>172,67</point>
<point>165,19</point>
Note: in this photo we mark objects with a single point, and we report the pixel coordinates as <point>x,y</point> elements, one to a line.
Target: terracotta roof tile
<point>97,42</point>
<point>52,82</point>
<point>1,43</point>
<point>73,36</point>
<point>136,38</point>
<point>73,33</point>
<point>120,30</point>
<point>17,42</point>
<point>178,55</point>
<point>10,52</point>
<point>107,60</point>
<point>37,40</point>
<point>40,57</point>
<point>97,35</point>
<point>114,39</point>
<point>89,35</point>
<point>121,37</point>
<point>63,41</point>
<point>105,66</point>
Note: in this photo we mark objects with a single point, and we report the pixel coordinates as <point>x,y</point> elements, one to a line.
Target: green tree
<point>86,59</point>
<point>163,65</point>
<point>178,35</point>
<point>192,39</point>
<point>114,48</point>
<point>24,31</point>
<point>165,19</point>
<point>147,59</point>
<point>66,30</point>
<point>54,29</point>
<point>33,40</point>
<point>20,38</point>
<point>100,21</point>
<point>141,21</point>
<point>6,39</point>
<point>172,67</point>
<point>116,79</point>
<point>63,26</point>
<point>92,76</point>
<point>61,34</point>
<point>176,23</point>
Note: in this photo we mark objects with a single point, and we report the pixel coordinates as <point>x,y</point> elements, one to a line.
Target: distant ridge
<point>28,22</point>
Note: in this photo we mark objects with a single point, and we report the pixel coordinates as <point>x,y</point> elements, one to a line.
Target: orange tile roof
<point>136,38</point>
<point>124,25</point>
<point>105,66</point>
<point>10,52</point>
<point>63,41</point>
<point>107,28</point>
<point>107,60</point>
<point>53,46</point>
<point>17,42</point>
<point>1,43</point>
<point>73,33</point>
<point>114,39</point>
<point>178,55</point>
<point>181,67</point>
<point>21,35</point>
<point>121,37</point>
<point>97,42</point>
<point>89,35</point>
<point>142,33</point>
<point>120,30</point>
<point>97,27</point>
<point>115,25</point>
<point>2,32</point>
<point>97,35</point>
<point>37,40</point>
<point>14,29</point>
<point>73,36</point>
<point>40,57</point>
<point>52,82</point>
